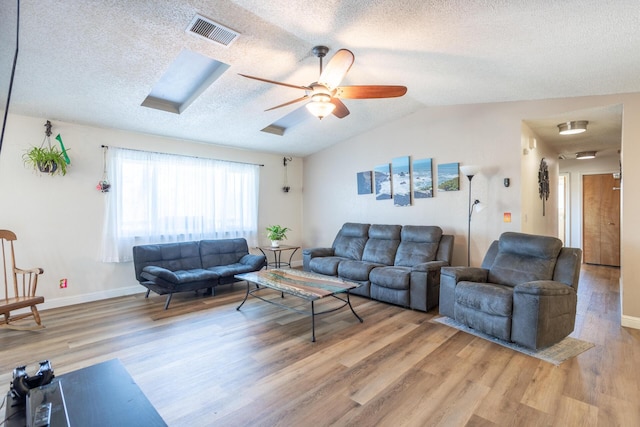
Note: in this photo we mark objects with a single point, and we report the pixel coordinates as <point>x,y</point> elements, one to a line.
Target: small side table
<point>277,255</point>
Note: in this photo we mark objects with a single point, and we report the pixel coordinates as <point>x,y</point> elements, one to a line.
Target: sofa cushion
<point>391,277</point>
<point>222,252</point>
<point>485,297</point>
<point>382,244</point>
<point>178,277</point>
<point>326,265</point>
<point>231,270</point>
<point>419,244</point>
<point>171,256</point>
<point>350,241</point>
<point>524,258</point>
<point>355,270</point>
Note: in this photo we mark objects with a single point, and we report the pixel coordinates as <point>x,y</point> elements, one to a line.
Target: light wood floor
<point>202,363</point>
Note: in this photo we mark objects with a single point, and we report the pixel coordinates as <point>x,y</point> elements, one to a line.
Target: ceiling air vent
<point>210,30</point>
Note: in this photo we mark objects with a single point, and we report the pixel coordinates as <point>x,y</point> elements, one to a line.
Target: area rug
<point>556,354</point>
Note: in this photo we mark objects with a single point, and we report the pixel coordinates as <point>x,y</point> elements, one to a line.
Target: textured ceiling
<point>94,62</point>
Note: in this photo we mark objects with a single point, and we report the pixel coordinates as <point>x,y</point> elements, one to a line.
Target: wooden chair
<point>24,287</point>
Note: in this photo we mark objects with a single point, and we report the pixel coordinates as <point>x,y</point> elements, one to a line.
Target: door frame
<point>581,201</point>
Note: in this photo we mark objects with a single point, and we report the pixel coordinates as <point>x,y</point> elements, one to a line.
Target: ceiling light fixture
<point>320,105</point>
<point>586,155</point>
<point>572,128</point>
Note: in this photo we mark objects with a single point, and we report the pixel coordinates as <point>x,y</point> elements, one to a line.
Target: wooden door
<point>601,219</point>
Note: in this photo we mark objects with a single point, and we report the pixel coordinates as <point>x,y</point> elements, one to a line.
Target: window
<point>158,198</point>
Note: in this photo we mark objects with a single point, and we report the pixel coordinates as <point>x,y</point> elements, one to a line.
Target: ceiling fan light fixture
<point>572,128</point>
<point>583,155</point>
<point>320,109</point>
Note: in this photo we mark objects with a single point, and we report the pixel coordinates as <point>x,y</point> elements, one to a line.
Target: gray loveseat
<point>393,263</point>
<point>189,266</point>
<point>525,292</point>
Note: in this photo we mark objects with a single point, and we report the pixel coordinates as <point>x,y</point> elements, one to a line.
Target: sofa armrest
<point>544,312</point>
<point>466,274</point>
<point>310,253</point>
<point>544,288</point>
<point>253,260</point>
<point>449,278</point>
<point>429,266</point>
<point>162,273</point>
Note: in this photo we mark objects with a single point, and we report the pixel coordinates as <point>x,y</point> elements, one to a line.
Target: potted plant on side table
<point>276,233</point>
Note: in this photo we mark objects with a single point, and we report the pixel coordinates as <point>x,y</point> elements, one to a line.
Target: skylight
<point>187,77</point>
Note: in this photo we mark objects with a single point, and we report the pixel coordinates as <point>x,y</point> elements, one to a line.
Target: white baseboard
<point>95,296</point>
<point>630,322</point>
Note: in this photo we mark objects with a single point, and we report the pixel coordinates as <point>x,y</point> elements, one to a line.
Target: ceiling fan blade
<point>366,92</point>
<point>275,83</point>
<point>336,69</point>
<point>341,111</point>
<point>289,103</point>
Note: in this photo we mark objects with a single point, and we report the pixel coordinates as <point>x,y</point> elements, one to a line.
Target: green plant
<point>277,232</point>
<point>46,159</point>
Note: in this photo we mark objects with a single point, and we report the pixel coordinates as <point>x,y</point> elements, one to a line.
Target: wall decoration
<point>401,181</point>
<point>448,177</point>
<point>364,183</point>
<point>104,185</point>
<point>422,179</point>
<point>382,175</point>
<point>543,183</point>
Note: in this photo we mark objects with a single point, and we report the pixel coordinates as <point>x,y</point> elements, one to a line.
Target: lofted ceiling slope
<point>94,62</point>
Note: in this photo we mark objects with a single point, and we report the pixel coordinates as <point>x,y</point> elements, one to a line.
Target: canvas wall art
<point>364,183</point>
<point>401,180</point>
<point>382,180</point>
<point>448,177</point>
<point>422,173</point>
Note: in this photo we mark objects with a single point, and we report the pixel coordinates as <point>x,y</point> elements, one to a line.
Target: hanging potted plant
<point>276,233</point>
<point>46,160</point>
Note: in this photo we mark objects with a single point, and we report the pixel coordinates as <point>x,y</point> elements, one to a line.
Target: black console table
<point>98,395</point>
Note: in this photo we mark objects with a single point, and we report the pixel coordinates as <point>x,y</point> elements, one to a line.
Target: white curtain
<point>157,198</point>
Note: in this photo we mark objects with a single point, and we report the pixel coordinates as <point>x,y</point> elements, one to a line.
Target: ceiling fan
<point>325,95</point>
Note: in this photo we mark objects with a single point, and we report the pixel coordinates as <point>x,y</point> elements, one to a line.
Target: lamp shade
<point>572,128</point>
<point>478,206</point>
<point>470,170</point>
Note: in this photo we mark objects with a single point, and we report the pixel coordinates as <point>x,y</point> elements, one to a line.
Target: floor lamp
<point>470,171</point>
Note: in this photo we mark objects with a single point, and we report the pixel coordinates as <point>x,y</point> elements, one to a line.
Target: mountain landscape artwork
<point>401,180</point>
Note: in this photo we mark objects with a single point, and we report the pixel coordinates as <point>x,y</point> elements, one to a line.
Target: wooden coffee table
<point>302,284</point>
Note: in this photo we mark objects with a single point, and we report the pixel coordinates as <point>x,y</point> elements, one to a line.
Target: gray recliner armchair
<point>525,292</point>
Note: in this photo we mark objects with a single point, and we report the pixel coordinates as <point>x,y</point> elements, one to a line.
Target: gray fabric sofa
<point>393,263</point>
<point>525,292</point>
<point>189,266</point>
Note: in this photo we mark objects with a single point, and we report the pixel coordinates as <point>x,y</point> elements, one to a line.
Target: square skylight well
<point>187,77</point>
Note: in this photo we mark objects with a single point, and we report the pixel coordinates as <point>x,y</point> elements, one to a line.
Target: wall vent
<point>210,30</point>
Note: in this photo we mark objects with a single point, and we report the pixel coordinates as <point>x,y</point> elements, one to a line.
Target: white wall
<point>488,135</point>
<point>535,220</point>
<point>58,220</point>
